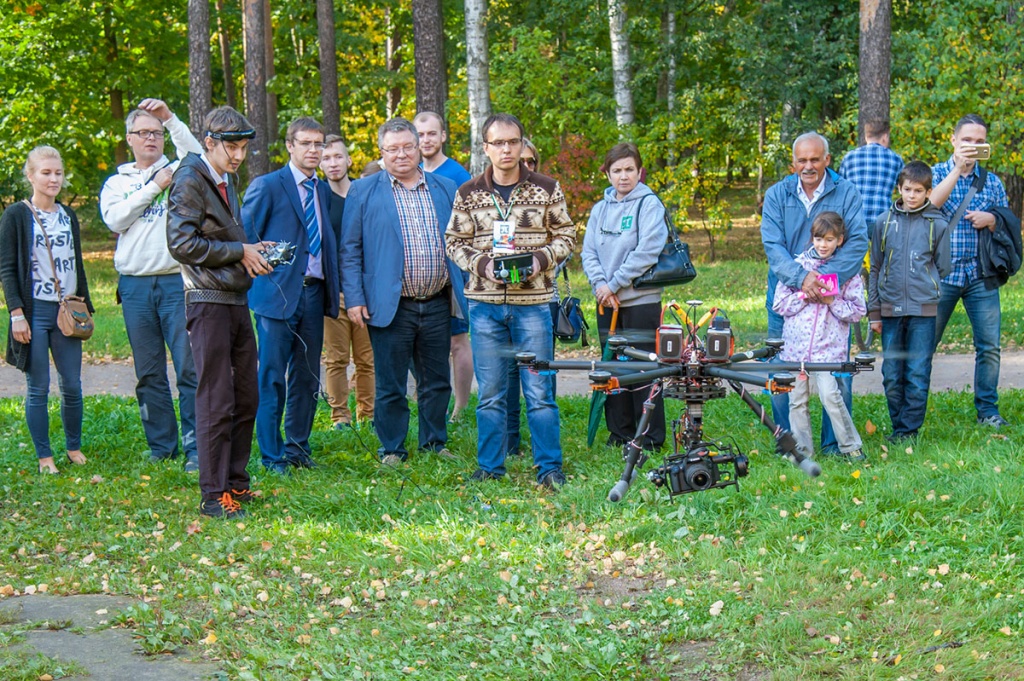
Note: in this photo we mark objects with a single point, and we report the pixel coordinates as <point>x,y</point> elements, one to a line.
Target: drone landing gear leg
<point>784,439</point>
<point>633,451</point>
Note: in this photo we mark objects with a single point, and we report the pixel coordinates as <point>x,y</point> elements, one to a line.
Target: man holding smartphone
<point>953,181</point>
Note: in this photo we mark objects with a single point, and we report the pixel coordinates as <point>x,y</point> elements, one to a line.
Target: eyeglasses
<point>408,150</point>
<point>319,146</point>
<point>148,134</point>
<point>511,144</point>
<point>531,162</point>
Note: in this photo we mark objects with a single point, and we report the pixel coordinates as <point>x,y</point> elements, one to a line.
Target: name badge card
<point>504,237</point>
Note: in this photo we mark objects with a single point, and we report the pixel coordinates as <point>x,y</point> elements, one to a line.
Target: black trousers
<point>227,396</point>
<point>622,412</point>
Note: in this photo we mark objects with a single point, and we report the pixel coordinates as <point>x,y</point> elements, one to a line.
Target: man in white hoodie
<point>133,203</point>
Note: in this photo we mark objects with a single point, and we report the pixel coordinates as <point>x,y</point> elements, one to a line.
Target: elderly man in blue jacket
<point>398,283</point>
<point>790,207</point>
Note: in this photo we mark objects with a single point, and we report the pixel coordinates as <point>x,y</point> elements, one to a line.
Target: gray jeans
<point>832,401</point>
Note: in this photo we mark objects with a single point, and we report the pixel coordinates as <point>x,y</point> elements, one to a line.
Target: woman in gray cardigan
<point>625,235</point>
<point>29,279</point>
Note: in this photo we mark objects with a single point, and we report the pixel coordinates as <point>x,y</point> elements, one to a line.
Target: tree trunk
<point>875,59</point>
<point>670,80</point>
<point>762,134</point>
<point>256,87</point>
<point>329,99</point>
<point>200,80</point>
<point>268,44</point>
<point>478,79</point>
<point>394,63</point>
<point>115,94</point>
<point>428,51</point>
<point>225,58</point>
<point>1014,193</point>
<point>624,115</point>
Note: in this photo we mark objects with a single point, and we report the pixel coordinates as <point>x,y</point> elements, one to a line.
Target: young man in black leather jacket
<point>205,234</point>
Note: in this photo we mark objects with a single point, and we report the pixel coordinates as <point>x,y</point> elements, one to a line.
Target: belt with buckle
<point>312,281</point>
<point>423,299</point>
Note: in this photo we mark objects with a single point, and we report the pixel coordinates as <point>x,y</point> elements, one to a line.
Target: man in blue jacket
<point>398,283</point>
<point>790,207</point>
<point>292,205</point>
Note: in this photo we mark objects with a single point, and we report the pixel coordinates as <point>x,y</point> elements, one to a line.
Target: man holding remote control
<point>292,205</point>
<point>510,228</point>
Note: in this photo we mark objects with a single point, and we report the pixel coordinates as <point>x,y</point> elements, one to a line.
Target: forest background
<point>716,90</point>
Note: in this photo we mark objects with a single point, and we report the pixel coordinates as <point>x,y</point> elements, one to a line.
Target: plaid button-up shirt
<point>963,235</point>
<point>873,170</point>
<point>425,270</point>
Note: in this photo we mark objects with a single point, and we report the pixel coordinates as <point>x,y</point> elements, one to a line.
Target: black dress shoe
<point>279,468</point>
<point>304,462</point>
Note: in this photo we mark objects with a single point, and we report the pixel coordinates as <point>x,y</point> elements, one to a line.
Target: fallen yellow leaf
<point>855,474</point>
<point>1006,630</point>
<point>870,428</point>
<point>210,639</point>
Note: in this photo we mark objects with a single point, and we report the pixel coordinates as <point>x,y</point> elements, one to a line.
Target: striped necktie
<point>308,207</point>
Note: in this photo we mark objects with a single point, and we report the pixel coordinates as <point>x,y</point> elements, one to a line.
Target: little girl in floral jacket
<point>821,333</point>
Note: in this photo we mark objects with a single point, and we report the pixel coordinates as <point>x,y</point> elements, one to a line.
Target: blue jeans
<point>154,315</point>
<point>497,333</point>
<point>420,331</point>
<point>67,357</point>
<point>512,396</point>
<point>982,306</point>
<point>289,378</point>
<point>907,347</point>
<point>780,403</point>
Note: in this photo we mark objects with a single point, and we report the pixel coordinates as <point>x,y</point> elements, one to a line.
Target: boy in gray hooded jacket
<point>909,257</point>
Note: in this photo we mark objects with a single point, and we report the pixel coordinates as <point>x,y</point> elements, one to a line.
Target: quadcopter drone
<point>694,371</point>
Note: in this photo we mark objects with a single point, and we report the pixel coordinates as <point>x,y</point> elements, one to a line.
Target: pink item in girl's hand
<point>829,284</point>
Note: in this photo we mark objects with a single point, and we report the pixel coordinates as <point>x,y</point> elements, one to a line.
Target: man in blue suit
<point>398,283</point>
<point>292,205</point>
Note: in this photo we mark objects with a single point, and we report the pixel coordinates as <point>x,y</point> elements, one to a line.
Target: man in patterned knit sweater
<point>508,310</point>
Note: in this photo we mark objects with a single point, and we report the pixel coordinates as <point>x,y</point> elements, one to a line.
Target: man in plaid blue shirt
<point>873,169</point>
<point>952,180</point>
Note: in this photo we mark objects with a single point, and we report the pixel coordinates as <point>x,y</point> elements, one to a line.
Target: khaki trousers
<point>344,341</point>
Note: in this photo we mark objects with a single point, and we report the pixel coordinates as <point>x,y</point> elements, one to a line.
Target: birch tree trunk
<point>875,59</point>
<point>428,50</point>
<point>624,115</point>
<point>328,67</point>
<point>478,80</point>
<point>256,87</point>
<point>200,80</point>
<point>394,63</point>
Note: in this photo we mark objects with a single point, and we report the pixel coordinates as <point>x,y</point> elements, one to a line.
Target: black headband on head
<point>232,135</point>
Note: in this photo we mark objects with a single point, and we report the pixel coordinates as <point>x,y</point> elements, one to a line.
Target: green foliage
<point>63,63</point>
<point>965,59</point>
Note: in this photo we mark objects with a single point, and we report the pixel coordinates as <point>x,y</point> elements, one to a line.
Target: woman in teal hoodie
<point>625,235</point>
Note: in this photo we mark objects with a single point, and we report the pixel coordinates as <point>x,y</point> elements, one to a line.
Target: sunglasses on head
<point>232,135</point>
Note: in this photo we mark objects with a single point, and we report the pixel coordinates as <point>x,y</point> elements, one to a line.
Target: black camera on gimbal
<point>699,469</point>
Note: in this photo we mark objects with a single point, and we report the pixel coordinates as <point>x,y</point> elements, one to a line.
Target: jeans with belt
<point>420,332</point>
<point>495,331</point>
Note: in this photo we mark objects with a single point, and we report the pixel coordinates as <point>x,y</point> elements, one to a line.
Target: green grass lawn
<point>352,571</point>
<point>737,286</point>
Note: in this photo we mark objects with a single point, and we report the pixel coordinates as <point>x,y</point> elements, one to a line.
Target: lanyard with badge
<point>508,266</point>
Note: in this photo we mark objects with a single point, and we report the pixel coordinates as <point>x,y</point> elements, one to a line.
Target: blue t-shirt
<point>453,171</point>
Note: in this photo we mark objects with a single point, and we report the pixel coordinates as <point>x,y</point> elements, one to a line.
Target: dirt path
<point>949,372</point>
